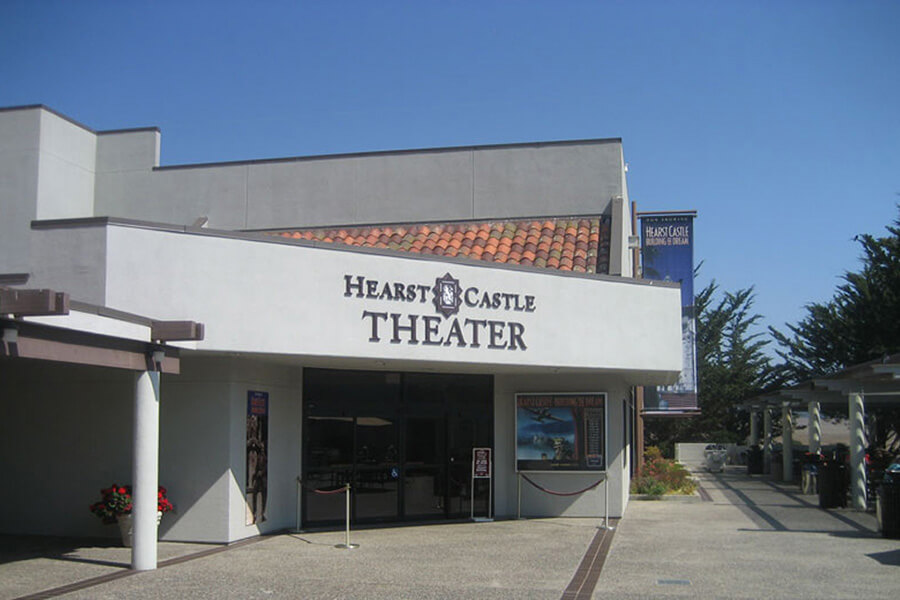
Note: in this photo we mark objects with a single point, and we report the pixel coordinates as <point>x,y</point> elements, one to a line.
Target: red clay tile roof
<point>579,244</point>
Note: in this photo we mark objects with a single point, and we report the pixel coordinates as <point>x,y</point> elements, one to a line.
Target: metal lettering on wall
<point>444,328</point>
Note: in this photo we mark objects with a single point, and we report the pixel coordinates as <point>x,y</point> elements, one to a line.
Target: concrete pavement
<point>754,539</point>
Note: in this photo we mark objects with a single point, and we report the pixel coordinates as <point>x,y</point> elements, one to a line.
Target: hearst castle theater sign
<point>447,327</point>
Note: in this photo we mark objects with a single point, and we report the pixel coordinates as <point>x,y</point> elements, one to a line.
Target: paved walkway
<point>753,539</point>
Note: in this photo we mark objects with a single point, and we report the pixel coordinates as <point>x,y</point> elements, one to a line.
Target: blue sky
<point>777,121</point>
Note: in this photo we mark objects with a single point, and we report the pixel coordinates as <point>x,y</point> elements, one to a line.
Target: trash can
<point>887,504</point>
<point>832,480</point>
<point>754,461</point>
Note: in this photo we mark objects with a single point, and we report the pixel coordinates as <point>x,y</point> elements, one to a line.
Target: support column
<point>145,471</point>
<point>754,430</point>
<point>767,441</point>
<point>815,427</point>
<point>787,443</point>
<point>857,451</point>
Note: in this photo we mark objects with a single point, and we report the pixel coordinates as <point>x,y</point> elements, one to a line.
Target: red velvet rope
<point>545,490</point>
<point>340,490</point>
<point>328,493</point>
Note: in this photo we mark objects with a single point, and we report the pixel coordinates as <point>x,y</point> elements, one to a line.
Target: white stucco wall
<point>46,172</point>
<point>65,434</point>
<point>73,171</point>
<point>19,159</point>
<point>203,428</point>
<point>284,386</point>
<point>278,298</point>
<point>536,503</point>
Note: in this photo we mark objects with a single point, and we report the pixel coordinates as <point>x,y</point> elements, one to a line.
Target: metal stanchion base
<point>346,546</point>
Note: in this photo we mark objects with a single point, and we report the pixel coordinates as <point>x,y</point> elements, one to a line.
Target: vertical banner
<point>667,249</point>
<point>257,451</point>
<point>561,432</point>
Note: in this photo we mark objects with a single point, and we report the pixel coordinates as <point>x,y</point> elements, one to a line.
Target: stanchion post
<point>347,545</point>
<point>606,501</point>
<point>299,494</point>
<point>472,497</point>
<point>519,496</point>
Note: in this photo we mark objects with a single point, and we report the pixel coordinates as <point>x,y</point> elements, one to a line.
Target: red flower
<point>121,490</point>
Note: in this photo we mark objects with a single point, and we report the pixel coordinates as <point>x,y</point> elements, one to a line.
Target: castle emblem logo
<point>447,295</point>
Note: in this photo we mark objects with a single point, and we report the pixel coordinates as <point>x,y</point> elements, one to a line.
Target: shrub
<point>662,476</point>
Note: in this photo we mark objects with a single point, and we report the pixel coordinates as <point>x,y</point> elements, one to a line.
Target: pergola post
<point>815,427</point>
<point>787,443</point>
<point>767,440</point>
<point>857,451</point>
<point>754,429</point>
<point>145,471</point>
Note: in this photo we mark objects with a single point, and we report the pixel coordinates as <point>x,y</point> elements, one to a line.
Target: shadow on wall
<point>66,433</point>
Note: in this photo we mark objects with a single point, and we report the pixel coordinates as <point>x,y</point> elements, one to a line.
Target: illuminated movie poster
<point>257,451</point>
<point>667,247</point>
<point>560,432</point>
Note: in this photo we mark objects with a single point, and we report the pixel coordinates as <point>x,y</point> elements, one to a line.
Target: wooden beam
<point>33,303</point>
<point>176,331</point>
<point>59,351</point>
<point>23,339</point>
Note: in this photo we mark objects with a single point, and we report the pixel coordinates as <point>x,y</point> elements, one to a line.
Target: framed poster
<point>257,483</point>
<point>561,432</point>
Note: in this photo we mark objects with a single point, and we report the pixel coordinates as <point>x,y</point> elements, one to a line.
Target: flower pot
<point>126,527</point>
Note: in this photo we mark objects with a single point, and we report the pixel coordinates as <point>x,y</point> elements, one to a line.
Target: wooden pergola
<point>77,337</point>
<point>872,383</point>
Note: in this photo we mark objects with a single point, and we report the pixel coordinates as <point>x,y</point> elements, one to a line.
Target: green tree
<point>732,367</point>
<point>860,323</point>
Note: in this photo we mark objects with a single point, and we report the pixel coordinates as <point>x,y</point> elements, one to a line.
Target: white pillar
<point>145,470</point>
<point>767,440</point>
<point>857,451</point>
<point>787,443</point>
<point>754,429</point>
<point>815,427</point>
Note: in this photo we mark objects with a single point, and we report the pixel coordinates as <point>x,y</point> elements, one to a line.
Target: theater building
<point>367,319</point>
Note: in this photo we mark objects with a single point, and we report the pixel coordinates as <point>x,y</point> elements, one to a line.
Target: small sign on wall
<point>257,484</point>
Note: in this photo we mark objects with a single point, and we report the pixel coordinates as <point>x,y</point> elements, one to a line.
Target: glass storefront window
<point>402,440</point>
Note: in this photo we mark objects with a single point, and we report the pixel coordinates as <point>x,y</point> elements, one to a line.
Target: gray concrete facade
<point>54,168</point>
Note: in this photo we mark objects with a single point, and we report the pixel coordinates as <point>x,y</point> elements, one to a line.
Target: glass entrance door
<point>402,440</point>
<point>376,482</point>
<point>425,473</point>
